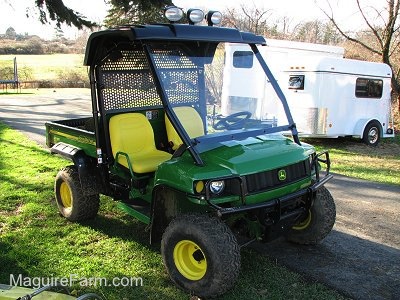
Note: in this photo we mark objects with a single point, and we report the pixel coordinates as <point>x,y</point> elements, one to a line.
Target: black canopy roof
<point>165,32</point>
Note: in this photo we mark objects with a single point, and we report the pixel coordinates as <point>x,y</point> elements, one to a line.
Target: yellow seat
<point>190,120</point>
<point>132,137</point>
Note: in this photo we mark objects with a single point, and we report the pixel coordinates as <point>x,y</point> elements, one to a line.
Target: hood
<point>232,158</point>
<point>255,154</point>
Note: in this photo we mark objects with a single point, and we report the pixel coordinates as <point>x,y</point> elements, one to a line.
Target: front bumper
<point>274,204</point>
<point>277,205</point>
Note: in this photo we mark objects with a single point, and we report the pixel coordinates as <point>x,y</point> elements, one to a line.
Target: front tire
<point>319,221</point>
<point>70,199</point>
<point>201,255</point>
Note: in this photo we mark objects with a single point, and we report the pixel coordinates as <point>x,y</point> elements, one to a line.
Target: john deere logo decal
<point>282,175</point>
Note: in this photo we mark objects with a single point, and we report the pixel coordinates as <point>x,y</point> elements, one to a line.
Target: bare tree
<point>250,19</point>
<point>383,25</point>
<point>286,22</point>
<point>316,31</point>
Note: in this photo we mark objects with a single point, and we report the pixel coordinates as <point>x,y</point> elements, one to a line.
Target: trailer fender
<point>89,178</point>
<point>361,124</point>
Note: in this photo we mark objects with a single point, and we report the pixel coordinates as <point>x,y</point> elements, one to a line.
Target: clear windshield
<point>227,95</point>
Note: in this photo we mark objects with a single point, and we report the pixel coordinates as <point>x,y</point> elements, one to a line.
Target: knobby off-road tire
<point>319,221</point>
<point>71,202</point>
<point>201,255</point>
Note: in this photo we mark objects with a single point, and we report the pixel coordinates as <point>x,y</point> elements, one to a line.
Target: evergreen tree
<point>124,12</point>
<point>55,10</point>
<point>11,33</point>
<point>121,12</point>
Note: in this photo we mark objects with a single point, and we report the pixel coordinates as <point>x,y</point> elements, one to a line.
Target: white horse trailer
<point>329,96</point>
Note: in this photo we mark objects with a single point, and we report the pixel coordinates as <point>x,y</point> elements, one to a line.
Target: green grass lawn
<point>46,67</point>
<point>36,241</point>
<point>353,158</point>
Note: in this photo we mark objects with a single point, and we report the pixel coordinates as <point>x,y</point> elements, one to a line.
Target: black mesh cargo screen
<point>126,83</point>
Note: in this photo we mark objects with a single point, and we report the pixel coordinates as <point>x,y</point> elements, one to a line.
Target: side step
<point>138,208</point>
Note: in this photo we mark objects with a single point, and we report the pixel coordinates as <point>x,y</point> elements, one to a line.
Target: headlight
<point>216,187</point>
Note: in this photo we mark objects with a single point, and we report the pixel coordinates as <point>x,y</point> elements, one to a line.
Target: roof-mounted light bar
<point>194,15</point>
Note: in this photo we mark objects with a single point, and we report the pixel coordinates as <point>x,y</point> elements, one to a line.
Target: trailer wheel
<point>201,255</point>
<point>372,133</point>
<point>318,223</point>
<point>71,202</point>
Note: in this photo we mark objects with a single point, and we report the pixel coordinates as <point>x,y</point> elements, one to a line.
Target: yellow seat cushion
<point>132,134</point>
<point>190,120</point>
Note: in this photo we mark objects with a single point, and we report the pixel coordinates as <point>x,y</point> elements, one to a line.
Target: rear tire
<point>372,133</point>
<point>318,223</point>
<point>201,255</point>
<point>70,199</point>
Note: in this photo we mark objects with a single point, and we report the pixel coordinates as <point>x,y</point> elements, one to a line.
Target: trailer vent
<point>271,179</point>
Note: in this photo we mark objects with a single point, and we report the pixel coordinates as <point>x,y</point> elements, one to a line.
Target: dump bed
<point>77,133</point>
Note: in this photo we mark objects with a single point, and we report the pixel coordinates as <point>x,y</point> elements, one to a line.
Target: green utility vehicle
<point>157,143</point>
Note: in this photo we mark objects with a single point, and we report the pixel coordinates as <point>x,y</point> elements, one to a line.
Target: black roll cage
<point>101,44</point>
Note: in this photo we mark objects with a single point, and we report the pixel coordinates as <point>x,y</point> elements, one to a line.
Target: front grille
<point>268,180</point>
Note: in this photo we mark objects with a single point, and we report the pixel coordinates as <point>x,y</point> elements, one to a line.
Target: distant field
<point>46,67</point>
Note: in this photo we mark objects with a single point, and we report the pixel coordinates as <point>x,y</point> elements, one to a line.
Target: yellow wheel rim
<point>190,260</point>
<point>304,224</point>
<point>65,195</point>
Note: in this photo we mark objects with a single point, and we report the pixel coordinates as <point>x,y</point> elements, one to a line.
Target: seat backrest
<point>132,134</point>
<point>190,120</point>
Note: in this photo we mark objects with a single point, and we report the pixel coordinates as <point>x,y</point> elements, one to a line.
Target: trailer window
<point>369,88</point>
<point>296,82</point>
<point>243,59</point>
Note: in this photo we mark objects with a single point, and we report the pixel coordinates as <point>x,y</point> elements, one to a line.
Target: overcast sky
<point>13,12</point>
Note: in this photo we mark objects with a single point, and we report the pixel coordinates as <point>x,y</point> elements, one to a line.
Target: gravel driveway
<point>360,258</point>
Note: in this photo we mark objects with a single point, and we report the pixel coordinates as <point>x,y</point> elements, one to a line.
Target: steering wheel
<point>234,121</point>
